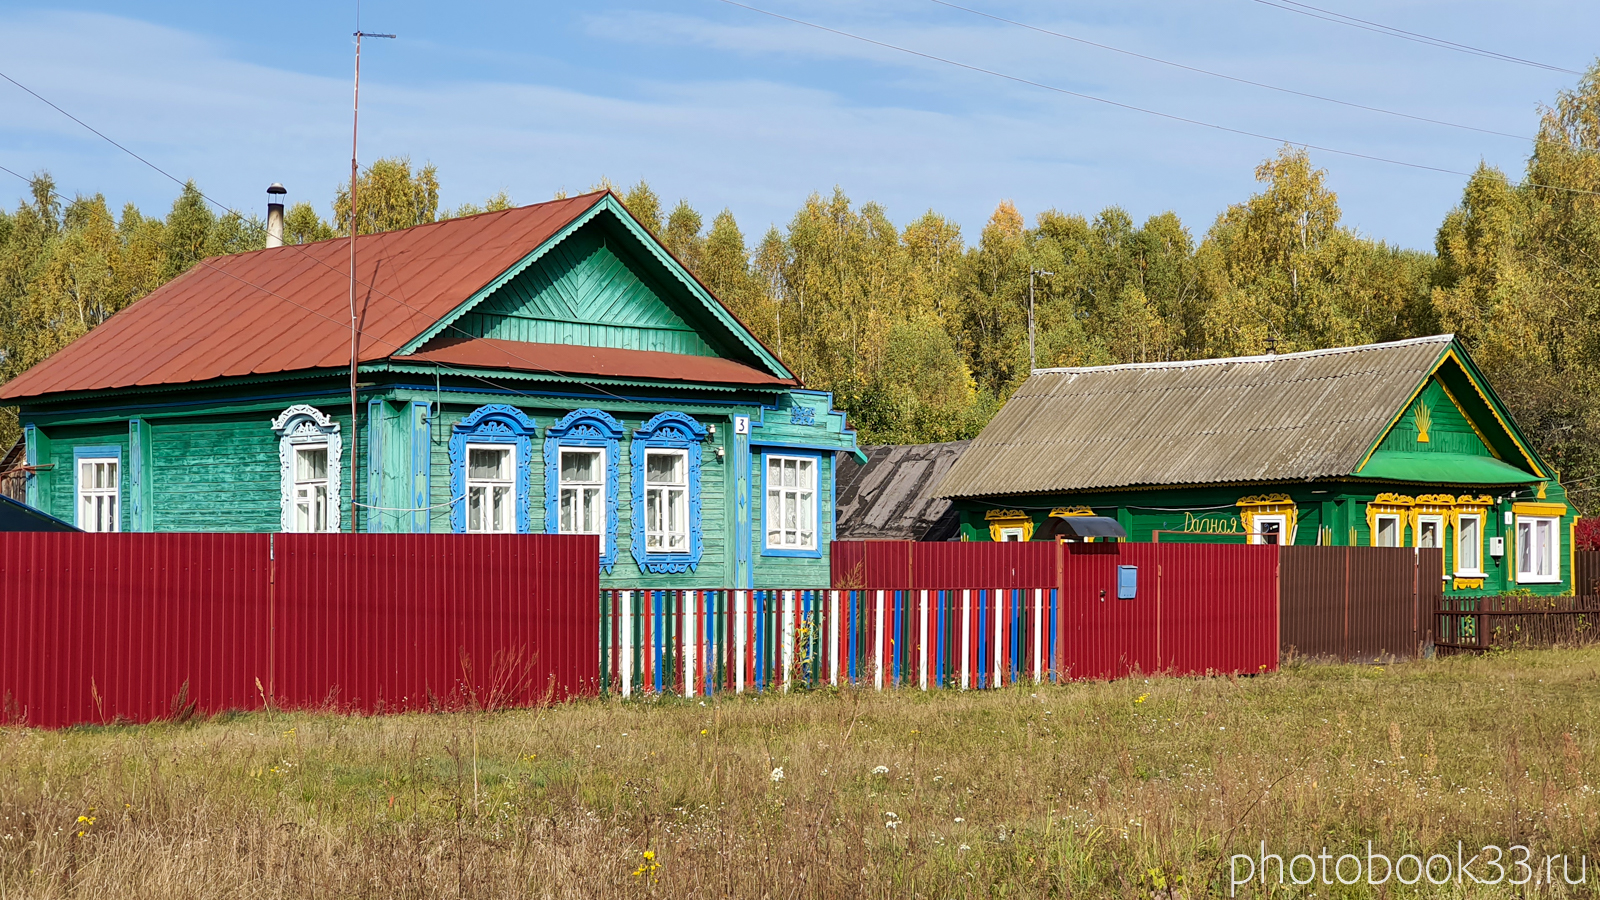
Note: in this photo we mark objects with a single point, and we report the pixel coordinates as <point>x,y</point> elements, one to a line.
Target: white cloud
<point>754,114</point>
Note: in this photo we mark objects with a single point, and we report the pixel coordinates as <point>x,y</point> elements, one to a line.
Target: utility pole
<point>355,332</point>
<point>1033,362</point>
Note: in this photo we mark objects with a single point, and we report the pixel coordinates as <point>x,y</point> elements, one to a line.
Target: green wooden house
<point>550,368</point>
<point>1401,444</point>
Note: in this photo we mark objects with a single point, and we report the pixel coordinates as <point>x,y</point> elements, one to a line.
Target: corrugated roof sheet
<point>288,308</point>
<point>1260,418</point>
<point>568,359</point>
<point>890,498</point>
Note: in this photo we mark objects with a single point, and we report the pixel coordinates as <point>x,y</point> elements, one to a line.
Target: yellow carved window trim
<point>1396,505</point>
<point>1002,519</point>
<point>1268,505</point>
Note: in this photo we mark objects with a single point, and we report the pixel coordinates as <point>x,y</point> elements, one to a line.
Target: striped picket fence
<point>696,643</point>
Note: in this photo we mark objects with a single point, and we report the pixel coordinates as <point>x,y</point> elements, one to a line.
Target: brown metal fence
<point>1586,573</point>
<point>1472,624</point>
<point>1358,603</point>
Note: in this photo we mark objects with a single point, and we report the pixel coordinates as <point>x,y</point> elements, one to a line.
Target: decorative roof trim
<point>609,203</point>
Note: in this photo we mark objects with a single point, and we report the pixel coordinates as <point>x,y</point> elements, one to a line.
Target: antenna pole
<point>355,332</point>
<point>355,429</point>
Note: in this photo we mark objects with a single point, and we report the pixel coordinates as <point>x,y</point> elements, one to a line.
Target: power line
<point>1246,81</point>
<point>300,247</point>
<point>1120,105</point>
<point>365,334</point>
<point>1328,15</point>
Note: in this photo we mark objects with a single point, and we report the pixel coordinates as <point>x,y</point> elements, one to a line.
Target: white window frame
<point>1438,523</point>
<point>773,512</point>
<point>1256,533</point>
<point>98,496</point>
<point>578,487</point>
<point>489,484</point>
<point>1532,576</point>
<point>659,540</point>
<point>1478,550</point>
<point>296,485</point>
<point>1012,533</point>
<point>1399,529</point>
<point>296,426</point>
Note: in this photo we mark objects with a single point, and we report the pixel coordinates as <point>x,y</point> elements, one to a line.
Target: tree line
<point>922,332</point>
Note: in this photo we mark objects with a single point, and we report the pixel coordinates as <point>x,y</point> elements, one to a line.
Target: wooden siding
<point>583,292</point>
<point>1450,431</point>
<point>217,474</point>
<point>714,570</point>
<point>1338,505</point>
<point>63,486</point>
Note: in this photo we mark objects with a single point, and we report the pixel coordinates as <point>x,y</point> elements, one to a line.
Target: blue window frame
<point>791,503</point>
<point>97,488</point>
<point>580,478</point>
<point>666,493</point>
<point>487,429</point>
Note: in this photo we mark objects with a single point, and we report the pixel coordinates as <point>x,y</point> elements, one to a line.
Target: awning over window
<point>1090,526</point>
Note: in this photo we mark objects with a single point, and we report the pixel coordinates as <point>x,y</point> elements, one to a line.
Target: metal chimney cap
<point>276,188</point>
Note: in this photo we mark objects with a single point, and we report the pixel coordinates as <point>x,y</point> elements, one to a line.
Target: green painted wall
<point>588,291</point>
<point>63,484</point>
<point>1339,505</point>
<point>1449,431</point>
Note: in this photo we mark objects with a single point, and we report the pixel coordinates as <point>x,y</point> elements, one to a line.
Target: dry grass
<point>1084,790</point>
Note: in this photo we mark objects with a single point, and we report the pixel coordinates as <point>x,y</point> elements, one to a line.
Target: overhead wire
<point>1246,81</point>
<point>365,334</point>
<point>1121,105</point>
<point>300,247</point>
<point>1338,18</point>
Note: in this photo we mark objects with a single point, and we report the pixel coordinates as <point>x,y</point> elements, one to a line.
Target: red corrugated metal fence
<point>1197,608</point>
<point>135,627</point>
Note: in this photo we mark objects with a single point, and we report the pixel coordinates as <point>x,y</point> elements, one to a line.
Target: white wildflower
<point>777,774</point>
<point>881,770</point>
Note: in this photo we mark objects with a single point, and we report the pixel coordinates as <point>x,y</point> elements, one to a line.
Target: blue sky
<point>728,108</point>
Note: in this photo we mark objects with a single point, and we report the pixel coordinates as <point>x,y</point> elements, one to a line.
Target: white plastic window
<point>583,491</point>
<point>1268,530</point>
<point>791,503</point>
<point>1430,532</point>
<point>491,489</point>
<point>1469,545</point>
<point>311,488</point>
<point>666,501</point>
<point>98,494</point>
<point>1386,531</point>
<point>1538,549</point>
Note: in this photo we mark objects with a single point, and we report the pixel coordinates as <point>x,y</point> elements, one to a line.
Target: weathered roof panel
<point>1260,418</point>
<point>890,498</point>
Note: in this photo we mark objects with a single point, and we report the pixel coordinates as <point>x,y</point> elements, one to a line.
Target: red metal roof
<point>288,308</point>
<point>569,359</point>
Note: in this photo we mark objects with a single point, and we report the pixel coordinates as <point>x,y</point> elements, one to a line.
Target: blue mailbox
<point>1127,582</point>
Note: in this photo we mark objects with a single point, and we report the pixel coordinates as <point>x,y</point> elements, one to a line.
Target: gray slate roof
<point>1255,418</point>
<point>889,498</point>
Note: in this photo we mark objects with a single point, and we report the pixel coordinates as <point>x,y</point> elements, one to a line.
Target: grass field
<point>1136,788</point>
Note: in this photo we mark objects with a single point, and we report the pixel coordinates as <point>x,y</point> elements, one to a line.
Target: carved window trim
<point>674,430</point>
<point>495,423</point>
<point>592,428</point>
<point>297,426</point>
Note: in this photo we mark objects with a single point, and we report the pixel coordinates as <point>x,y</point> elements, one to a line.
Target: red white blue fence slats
<point>699,642</point>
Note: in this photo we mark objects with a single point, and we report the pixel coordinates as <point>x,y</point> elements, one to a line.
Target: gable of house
<point>1453,430</point>
<point>603,282</point>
